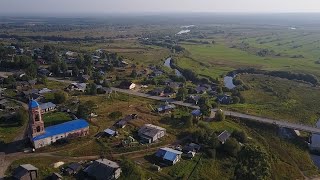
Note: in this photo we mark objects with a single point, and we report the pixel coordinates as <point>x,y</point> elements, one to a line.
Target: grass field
<point>289,159</point>
<point>53,118</point>
<point>219,58</point>
<point>280,98</point>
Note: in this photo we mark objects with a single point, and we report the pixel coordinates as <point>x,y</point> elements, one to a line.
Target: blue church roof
<point>33,104</point>
<point>63,128</point>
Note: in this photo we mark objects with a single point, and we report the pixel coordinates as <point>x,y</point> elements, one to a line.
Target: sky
<point>155,6</point>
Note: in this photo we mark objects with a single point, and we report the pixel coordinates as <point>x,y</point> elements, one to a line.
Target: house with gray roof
<point>25,172</point>
<point>149,133</point>
<point>224,136</point>
<point>47,107</point>
<point>102,169</point>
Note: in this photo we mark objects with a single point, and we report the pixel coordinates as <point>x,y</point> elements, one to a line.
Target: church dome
<point>33,104</point>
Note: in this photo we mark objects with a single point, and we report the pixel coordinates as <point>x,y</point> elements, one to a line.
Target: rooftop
<point>168,153</point>
<point>63,128</point>
<point>33,104</point>
<point>47,105</point>
<point>150,130</point>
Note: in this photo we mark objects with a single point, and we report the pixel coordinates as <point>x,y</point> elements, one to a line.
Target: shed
<point>25,172</point>
<point>73,168</point>
<point>224,136</point>
<point>110,132</point>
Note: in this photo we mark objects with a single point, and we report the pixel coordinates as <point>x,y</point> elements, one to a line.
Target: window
<point>37,117</point>
<point>38,129</point>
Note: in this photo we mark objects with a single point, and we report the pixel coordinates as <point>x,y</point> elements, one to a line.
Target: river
<point>167,63</point>
<point>228,82</point>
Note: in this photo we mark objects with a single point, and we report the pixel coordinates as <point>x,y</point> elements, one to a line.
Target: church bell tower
<point>36,125</point>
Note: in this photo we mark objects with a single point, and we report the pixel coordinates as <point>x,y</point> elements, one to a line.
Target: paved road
<point>280,123</point>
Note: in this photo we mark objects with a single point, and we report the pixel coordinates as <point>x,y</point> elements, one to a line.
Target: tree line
<point>309,78</point>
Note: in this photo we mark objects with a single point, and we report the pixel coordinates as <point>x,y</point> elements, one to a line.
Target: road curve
<point>280,123</point>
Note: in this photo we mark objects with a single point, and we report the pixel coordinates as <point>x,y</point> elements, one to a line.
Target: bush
<point>211,153</point>
<point>252,164</point>
<point>231,146</point>
<point>60,97</point>
<point>240,136</point>
<point>220,116</point>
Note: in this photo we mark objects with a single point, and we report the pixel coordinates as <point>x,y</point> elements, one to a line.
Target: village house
<point>127,85</point>
<point>315,140</point>
<point>150,133</point>
<point>71,54</point>
<point>196,113</point>
<point>40,136</point>
<point>166,108</point>
<point>193,99</point>
<point>73,168</point>
<point>25,172</point>
<point>191,147</point>
<point>56,176</point>
<point>44,91</point>
<point>47,107</point>
<point>69,73</point>
<point>168,156</point>
<point>157,92</point>
<point>110,132</point>
<point>103,169</point>
<point>123,122</point>
<point>103,90</point>
<point>85,78</point>
<point>224,136</point>
<point>77,87</point>
<point>224,99</point>
<point>44,72</point>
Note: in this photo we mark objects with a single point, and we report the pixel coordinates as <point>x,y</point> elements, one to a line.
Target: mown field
<point>280,98</point>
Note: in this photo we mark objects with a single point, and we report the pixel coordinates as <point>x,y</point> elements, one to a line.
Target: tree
<point>60,97</point>
<point>211,153</point>
<point>182,94</point>
<point>219,90</point>
<point>214,105</point>
<point>231,146</point>
<point>188,121</point>
<point>205,109</point>
<point>130,170</point>
<point>220,116</point>
<point>213,141</point>
<point>168,89</point>
<point>21,116</point>
<point>92,89</point>
<point>42,80</point>
<point>240,136</point>
<point>253,163</point>
<point>235,99</point>
<point>32,70</point>
<point>76,71</point>
<point>85,109</point>
<point>134,73</point>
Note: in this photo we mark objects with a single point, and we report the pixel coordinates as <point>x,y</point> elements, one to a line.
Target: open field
<point>219,56</point>
<point>280,98</point>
